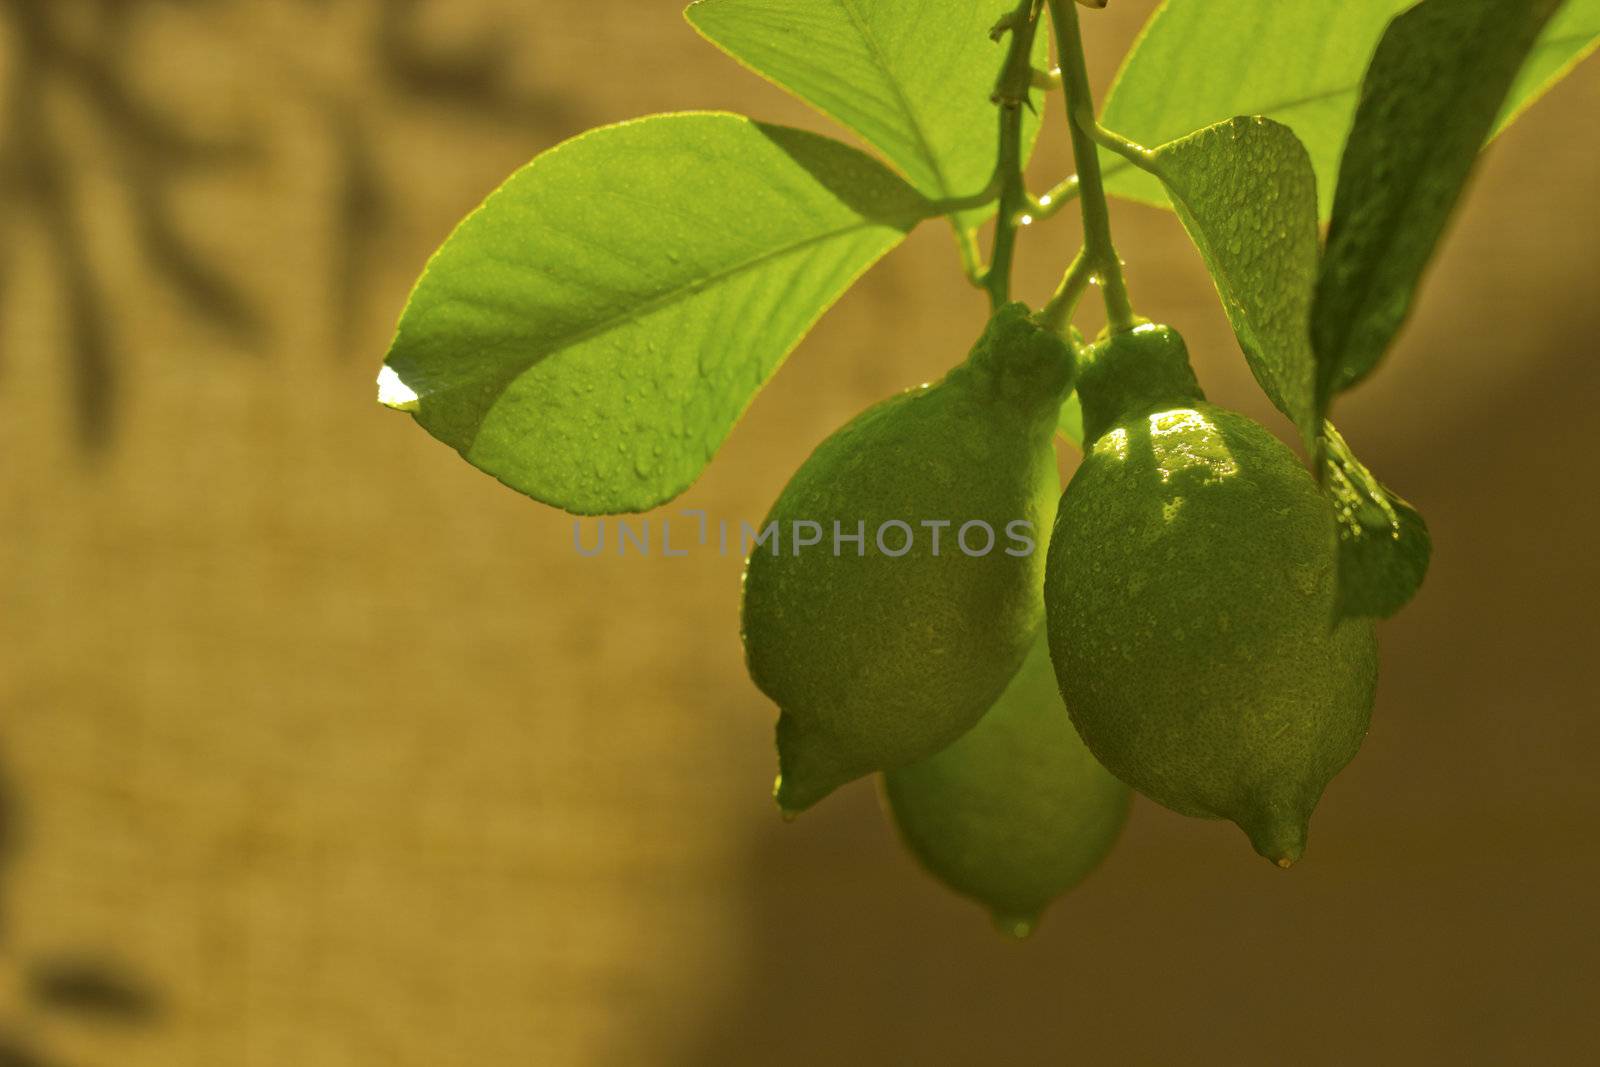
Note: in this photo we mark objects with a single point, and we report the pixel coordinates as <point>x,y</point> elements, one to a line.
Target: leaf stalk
<point>1099,260</point>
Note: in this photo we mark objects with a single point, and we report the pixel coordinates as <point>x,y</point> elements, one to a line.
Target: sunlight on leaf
<point>1198,63</point>
<point>591,334</point>
<point>912,78</point>
<point>1245,191</point>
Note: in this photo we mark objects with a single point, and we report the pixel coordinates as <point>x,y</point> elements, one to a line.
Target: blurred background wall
<point>320,747</point>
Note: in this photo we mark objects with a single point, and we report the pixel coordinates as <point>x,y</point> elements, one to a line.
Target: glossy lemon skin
<point>1190,598</point>
<point>878,659</point>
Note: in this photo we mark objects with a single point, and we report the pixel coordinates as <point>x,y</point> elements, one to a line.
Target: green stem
<point>1011,93</point>
<point>971,258</point>
<point>985,196</point>
<point>1098,248</point>
<point>1048,80</point>
<point>1132,151</point>
<point>1060,195</point>
<point>1057,314</point>
<point>1012,199</point>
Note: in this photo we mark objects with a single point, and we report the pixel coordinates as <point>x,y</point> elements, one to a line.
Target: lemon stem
<point>971,258</point>
<point>1057,314</point>
<point>1011,94</point>
<point>1098,261</point>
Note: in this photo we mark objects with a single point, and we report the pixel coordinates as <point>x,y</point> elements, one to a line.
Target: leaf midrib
<point>640,311</point>
<point>882,61</point>
<point>1336,366</point>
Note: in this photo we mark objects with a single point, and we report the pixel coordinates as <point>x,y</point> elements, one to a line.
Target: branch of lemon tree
<point>1059,196</point>
<point>1098,261</point>
<point>1011,94</point>
<point>1017,76</point>
<point>1057,314</point>
<point>1038,208</point>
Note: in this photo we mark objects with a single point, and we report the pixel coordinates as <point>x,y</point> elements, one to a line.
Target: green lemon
<point>1190,597</point>
<point>901,581</point>
<point>1017,811</point>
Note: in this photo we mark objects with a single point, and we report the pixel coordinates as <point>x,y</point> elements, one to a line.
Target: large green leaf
<point>1440,77</point>
<point>913,78</point>
<point>1301,62</point>
<point>1384,547</point>
<point>1246,193</point>
<point>590,335</point>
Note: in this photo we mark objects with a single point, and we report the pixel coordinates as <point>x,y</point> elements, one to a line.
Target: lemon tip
<point>1015,927</point>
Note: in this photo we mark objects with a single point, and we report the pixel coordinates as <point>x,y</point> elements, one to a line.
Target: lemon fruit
<point>884,646</point>
<point>1017,811</point>
<point>1190,596</point>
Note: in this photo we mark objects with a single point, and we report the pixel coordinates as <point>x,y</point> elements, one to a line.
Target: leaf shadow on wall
<point>84,55</point>
<point>83,988</point>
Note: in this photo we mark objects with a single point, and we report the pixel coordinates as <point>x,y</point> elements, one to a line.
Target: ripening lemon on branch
<point>1190,596</point>
<point>1017,811</point>
<point>882,648</point>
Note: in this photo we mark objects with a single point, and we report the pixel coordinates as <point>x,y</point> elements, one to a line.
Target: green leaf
<point>1570,38</point>
<point>1199,62</point>
<point>1384,547</point>
<point>1070,422</point>
<point>593,331</point>
<point>1246,193</point>
<point>1439,79</point>
<point>913,78</point>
